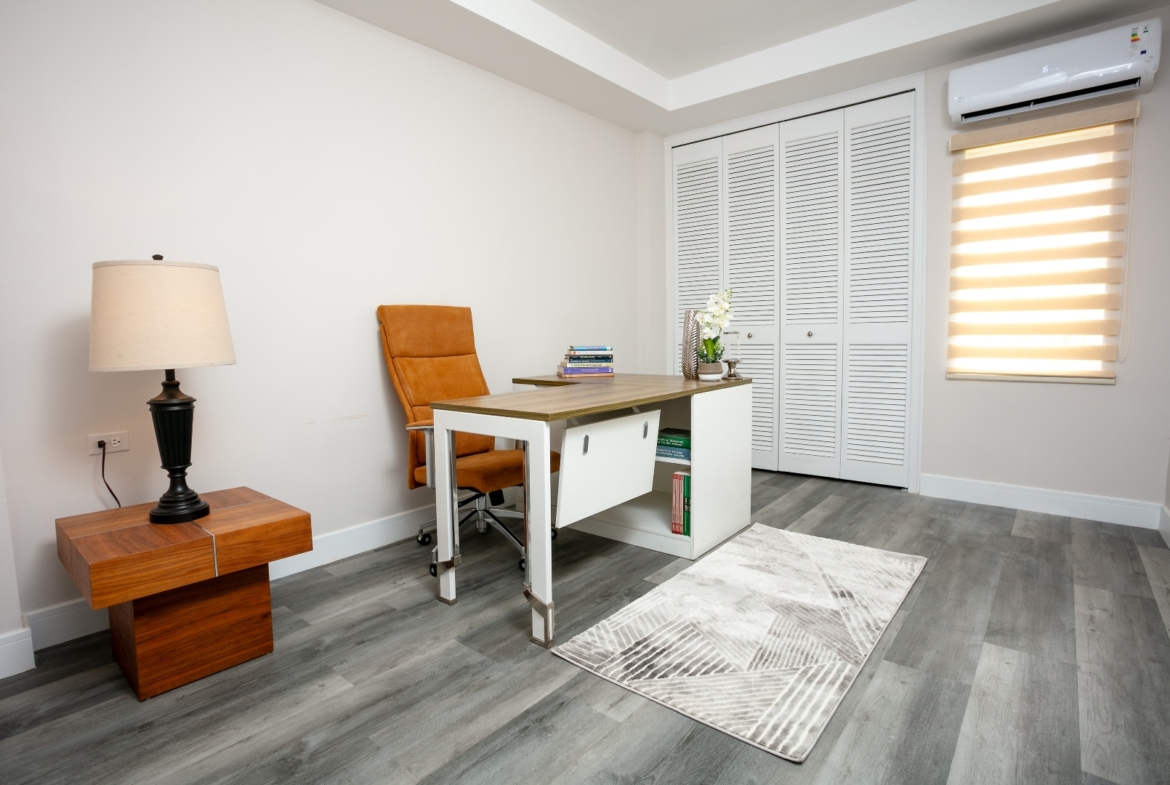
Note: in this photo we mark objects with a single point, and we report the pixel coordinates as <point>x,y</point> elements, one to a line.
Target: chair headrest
<point>427,330</point>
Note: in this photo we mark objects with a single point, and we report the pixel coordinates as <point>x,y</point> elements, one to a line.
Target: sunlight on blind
<point>1037,254</point>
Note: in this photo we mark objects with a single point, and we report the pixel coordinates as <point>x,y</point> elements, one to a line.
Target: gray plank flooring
<point>1017,726</point>
<point>1034,648</point>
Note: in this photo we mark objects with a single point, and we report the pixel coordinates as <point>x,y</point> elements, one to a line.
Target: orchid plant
<point>712,322</point>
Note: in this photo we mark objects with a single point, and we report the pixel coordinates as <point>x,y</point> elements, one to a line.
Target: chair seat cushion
<point>490,471</point>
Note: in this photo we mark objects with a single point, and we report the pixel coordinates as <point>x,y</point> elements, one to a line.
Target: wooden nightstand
<point>189,599</point>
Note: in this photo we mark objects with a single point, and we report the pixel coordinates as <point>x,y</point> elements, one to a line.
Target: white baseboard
<point>1144,515</point>
<point>1164,524</point>
<point>64,622</point>
<point>73,619</point>
<point>331,547</point>
<point>16,652</point>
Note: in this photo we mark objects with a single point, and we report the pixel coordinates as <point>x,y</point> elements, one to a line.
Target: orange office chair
<point>430,353</point>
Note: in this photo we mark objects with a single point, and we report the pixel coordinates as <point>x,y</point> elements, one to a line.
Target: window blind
<point>1038,247</point>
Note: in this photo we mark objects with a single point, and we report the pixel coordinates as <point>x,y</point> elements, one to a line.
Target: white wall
<point>9,595</point>
<point>326,166</point>
<point>1088,439</point>
<point>16,651</point>
<point>1166,494</point>
<point>1164,522</point>
<point>653,334</point>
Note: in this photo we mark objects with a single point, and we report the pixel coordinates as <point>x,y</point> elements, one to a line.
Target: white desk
<point>717,413</point>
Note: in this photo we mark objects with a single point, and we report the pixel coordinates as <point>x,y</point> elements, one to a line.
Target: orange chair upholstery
<point>430,353</point>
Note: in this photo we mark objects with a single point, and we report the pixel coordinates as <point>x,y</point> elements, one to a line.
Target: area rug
<point>760,639</point>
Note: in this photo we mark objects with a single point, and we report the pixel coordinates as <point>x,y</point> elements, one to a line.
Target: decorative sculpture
<point>690,345</point>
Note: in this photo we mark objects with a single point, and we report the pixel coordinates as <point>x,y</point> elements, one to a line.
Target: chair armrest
<point>428,429</point>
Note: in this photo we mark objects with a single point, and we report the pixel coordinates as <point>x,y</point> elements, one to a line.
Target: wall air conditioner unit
<point>1114,61</point>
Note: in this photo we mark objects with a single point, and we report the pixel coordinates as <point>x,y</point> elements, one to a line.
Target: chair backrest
<point>430,353</point>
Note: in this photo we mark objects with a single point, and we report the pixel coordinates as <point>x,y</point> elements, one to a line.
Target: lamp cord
<point>102,444</point>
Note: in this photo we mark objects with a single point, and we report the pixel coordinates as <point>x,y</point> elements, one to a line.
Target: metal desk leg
<point>538,562</point>
<point>446,507</point>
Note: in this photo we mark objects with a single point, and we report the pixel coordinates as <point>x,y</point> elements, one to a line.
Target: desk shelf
<point>720,469</point>
<point>676,461</point>
<point>644,521</point>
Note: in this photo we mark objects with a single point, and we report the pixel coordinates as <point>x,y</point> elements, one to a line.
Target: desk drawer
<point>604,464</point>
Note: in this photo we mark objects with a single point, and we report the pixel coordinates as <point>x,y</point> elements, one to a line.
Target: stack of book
<point>587,361</point>
<point>674,443</point>
<point>680,507</point>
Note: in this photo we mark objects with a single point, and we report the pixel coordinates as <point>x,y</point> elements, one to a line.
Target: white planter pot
<point>710,372</point>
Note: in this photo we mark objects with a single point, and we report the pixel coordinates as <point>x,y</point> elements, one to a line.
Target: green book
<point>674,437</point>
<point>687,505</point>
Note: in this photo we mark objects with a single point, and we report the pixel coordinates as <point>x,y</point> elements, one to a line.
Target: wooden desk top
<point>118,555</point>
<point>560,399</point>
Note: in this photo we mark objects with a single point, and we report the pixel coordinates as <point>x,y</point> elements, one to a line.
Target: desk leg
<point>446,507</point>
<point>538,562</point>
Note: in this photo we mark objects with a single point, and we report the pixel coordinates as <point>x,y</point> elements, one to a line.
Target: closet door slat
<point>751,194</point>
<point>698,230</point>
<point>812,230</point>
<point>878,245</point>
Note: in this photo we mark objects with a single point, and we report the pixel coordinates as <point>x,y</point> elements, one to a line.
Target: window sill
<point>1003,377</point>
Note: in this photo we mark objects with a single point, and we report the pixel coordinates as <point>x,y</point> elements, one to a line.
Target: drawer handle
<point>645,429</point>
<point>749,335</point>
<point>810,333</point>
<point>585,451</point>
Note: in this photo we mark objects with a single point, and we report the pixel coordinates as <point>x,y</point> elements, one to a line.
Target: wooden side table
<point>189,599</point>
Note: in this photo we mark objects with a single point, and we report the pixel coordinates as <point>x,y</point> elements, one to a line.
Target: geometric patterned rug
<point>760,639</point>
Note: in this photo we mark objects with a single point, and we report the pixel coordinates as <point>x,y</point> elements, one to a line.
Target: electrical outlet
<point>115,442</point>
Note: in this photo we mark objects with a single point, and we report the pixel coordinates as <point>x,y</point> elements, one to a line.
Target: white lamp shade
<point>157,315</point>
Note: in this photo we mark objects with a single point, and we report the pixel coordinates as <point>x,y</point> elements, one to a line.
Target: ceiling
<point>677,37</point>
<point>675,65</point>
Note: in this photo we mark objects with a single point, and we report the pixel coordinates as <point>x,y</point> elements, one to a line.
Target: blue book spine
<point>590,348</point>
<point>682,453</point>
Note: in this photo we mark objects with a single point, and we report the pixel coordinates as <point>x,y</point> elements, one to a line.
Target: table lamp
<point>156,315</point>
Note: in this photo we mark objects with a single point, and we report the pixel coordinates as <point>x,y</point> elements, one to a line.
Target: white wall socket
<point>115,442</point>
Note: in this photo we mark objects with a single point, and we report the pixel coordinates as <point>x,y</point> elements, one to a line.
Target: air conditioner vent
<point>1054,100</point>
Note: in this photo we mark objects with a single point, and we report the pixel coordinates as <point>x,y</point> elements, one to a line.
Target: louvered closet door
<point>698,230</point>
<point>751,196</point>
<point>811,248</point>
<point>878,224</point>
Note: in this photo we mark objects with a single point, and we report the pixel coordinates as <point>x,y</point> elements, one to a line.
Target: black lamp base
<point>167,511</point>
<point>173,412</point>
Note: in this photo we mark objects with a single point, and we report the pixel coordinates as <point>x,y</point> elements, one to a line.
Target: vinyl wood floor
<point>1032,649</point>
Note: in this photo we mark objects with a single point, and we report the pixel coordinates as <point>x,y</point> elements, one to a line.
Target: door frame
<point>915,83</point>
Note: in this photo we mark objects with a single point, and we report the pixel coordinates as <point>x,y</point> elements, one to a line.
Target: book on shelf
<point>590,348</point>
<point>666,451</point>
<point>588,356</point>
<point>575,364</point>
<point>680,508</point>
<point>674,437</point>
<point>606,370</point>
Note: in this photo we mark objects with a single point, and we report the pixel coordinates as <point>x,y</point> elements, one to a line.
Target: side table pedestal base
<point>174,637</point>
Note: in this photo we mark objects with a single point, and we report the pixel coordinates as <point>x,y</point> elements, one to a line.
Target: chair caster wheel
<point>434,571</point>
<point>554,534</point>
<point>521,564</point>
<point>424,538</point>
